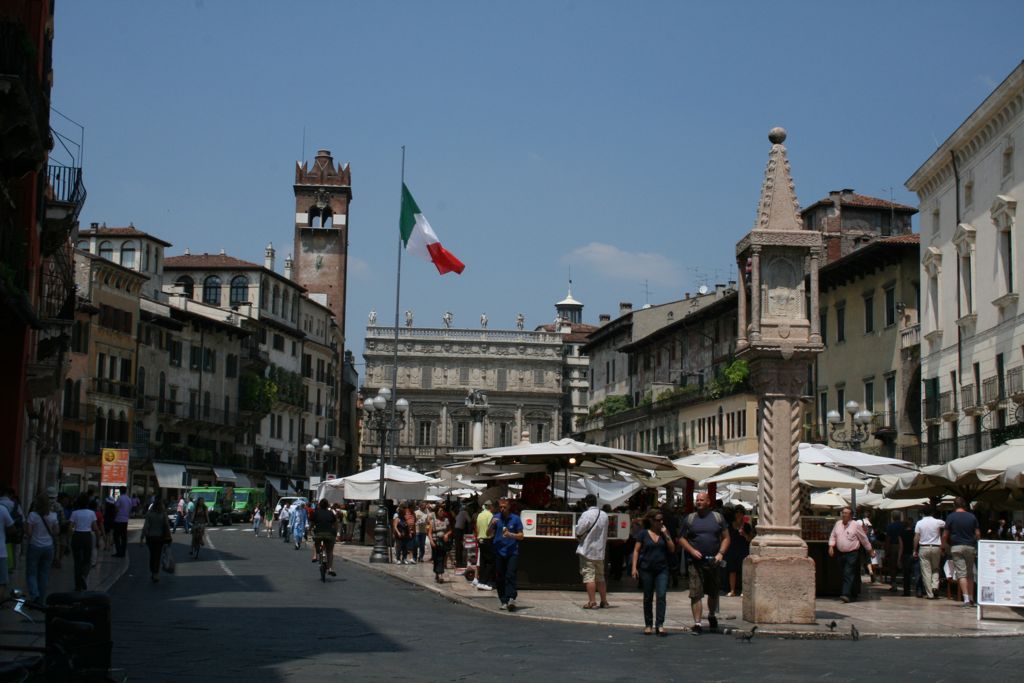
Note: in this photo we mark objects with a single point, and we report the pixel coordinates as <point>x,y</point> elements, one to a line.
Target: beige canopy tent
<point>539,457</point>
<point>995,475</point>
<point>814,476</point>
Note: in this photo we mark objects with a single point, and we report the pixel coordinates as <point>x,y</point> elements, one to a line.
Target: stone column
<point>813,314</point>
<point>778,577</point>
<point>741,308</point>
<point>755,294</point>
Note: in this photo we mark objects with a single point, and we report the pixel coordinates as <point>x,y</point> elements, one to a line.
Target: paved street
<point>255,609</point>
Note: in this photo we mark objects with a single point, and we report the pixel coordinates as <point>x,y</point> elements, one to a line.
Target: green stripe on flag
<point>407,221</point>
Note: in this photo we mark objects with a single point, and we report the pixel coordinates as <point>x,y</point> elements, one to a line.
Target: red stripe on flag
<point>444,259</point>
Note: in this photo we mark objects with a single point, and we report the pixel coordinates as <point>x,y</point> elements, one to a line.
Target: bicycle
<point>197,539</point>
<point>59,659</point>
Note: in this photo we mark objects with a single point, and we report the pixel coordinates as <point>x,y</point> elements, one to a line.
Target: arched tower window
<point>107,250</point>
<point>211,290</point>
<point>128,255</point>
<point>275,305</point>
<point>187,285</point>
<point>239,290</point>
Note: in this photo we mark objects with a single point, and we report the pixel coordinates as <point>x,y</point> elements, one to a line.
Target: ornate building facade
<point>972,365</point>
<point>519,371</point>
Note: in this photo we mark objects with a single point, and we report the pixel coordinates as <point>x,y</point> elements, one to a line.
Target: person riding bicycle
<point>297,523</point>
<point>325,531</point>
<point>200,518</point>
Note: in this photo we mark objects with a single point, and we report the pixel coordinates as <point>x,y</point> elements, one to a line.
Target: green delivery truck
<point>244,501</point>
<point>217,500</point>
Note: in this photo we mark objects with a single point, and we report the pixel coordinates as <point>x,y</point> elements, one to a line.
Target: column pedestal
<point>778,590</point>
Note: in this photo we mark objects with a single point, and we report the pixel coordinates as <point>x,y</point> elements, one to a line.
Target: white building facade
<point>971,317</point>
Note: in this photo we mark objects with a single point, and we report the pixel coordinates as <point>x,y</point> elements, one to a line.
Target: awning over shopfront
<point>169,475</point>
<point>225,474</point>
<point>275,483</point>
<point>243,481</point>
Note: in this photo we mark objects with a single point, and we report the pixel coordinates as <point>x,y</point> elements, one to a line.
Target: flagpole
<point>398,290</point>
<point>380,552</point>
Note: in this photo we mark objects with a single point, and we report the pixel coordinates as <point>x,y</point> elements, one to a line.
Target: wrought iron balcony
<point>65,198</point>
<point>25,103</point>
<point>1015,382</point>
<point>969,399</point>
<point>947,406</point>
<point>111,387</point>
<point>990,391</point>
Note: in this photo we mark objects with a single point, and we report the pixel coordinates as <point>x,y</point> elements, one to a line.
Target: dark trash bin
<point>91,650</point>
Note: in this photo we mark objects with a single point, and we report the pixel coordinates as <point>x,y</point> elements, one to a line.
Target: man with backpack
<point>704,536</point>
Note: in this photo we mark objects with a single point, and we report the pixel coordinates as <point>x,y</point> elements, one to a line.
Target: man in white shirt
<point>928,548</point>
<point>592,534</point>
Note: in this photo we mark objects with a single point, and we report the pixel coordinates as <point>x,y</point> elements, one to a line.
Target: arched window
<point>100,432</point>
<point>239,290</point>
<point>328,219</point>
<point>145,259</point>
<point>263,293</point>
<point>122,427</point>
<point>83,245</point>
<point>128,255</point>
<point>211,290</point>
<point>295,307</point>
<point>284,305</point>
<point>111,427</point>
<point>107,251</point>
<point>77,405</point>
<point>275,305</point>
<point>187,285</point>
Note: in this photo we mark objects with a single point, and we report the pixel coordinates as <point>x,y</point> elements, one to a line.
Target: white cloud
<point>635,266</point>
<point>358,269</point>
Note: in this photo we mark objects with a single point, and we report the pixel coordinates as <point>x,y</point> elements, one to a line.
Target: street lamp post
<point>317,455</point>
<point>858,431</point>
<point>853,437</point>
<point>384,416</point>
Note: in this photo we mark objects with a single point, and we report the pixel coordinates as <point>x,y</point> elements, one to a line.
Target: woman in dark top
<point>739,548</point>
<point>650,565</point>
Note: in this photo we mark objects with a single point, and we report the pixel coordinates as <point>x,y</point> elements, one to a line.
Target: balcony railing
<point>968,397</point>
<point>945,450</point>
<point>195,412</point>
<point>910,336</point>
<point>946,404</point>
<point>65,197</point>
<point>930,409</point>
<point>990,391</point>
<point>1015,381</point>
<point>886,421</point>
<point>57,288</point>
<point>112,387</point>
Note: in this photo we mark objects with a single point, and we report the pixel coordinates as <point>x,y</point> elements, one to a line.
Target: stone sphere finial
<point>777,135</point>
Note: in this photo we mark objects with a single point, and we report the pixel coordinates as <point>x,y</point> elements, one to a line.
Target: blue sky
<point>626,141</point>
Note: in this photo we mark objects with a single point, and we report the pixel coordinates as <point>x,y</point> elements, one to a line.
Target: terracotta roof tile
<point>579,333</point>
<point>204,261</point>
<point>854,199</point>
<point>130,231</point>
<point>910,238</point>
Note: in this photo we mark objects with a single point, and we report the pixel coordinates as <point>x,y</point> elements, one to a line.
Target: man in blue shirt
<point>961,537</point>
<point>506,532</point>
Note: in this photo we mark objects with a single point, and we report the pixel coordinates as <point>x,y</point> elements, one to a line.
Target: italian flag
<point>420,239</point>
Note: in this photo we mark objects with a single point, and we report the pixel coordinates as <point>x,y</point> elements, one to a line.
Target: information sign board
<point>1000,574</point>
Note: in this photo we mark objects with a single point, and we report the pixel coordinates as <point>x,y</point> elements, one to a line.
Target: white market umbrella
<point>828,499</point>
<point>995,474</point>
<point>696,467</point>
<point>399,484</point>
<point>565,453</point>
<point>815,476</point>
<point>820,454</point>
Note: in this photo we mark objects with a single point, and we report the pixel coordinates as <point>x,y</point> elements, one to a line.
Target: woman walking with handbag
<point>156,531</point>
<point>439,531</point>
<point>42,526</point>
<point>650,565</point>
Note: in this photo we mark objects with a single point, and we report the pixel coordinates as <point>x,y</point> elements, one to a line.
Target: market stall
<point>547,553</point>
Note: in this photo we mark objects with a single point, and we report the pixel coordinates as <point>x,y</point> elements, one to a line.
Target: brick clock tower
<point>322,195</point>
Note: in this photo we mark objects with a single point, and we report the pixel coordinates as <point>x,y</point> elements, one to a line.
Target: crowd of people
<point>58,526</point>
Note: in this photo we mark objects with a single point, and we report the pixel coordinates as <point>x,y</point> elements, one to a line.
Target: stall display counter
<point>828,577</point>
<point>547,553</point>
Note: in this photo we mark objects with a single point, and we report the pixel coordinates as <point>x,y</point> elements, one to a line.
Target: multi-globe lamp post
<point>316,454</point>
<point>384,415</point>
<point>858,431</point>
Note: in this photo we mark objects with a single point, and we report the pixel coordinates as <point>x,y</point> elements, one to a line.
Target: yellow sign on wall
<point>115,467</point>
